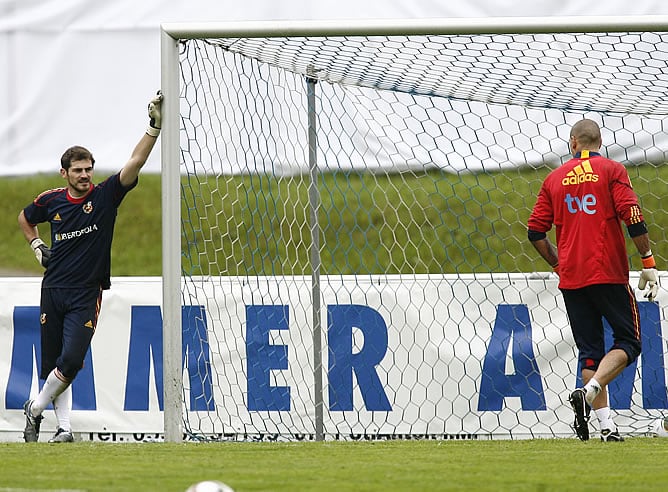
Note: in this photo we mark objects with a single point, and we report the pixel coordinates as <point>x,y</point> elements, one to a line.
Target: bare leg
<point>610,367</point>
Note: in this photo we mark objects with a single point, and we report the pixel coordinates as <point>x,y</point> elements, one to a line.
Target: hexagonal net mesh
<point>354,230</point>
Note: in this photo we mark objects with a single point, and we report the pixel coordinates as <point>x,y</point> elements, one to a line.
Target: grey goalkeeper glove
<point>155,115</point>
<point>42,252</point>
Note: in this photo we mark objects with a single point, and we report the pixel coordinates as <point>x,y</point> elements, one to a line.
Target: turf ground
<point>545,465</point>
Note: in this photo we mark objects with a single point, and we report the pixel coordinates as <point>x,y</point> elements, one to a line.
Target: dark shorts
<point>68,319</point>
<point>586,308</point>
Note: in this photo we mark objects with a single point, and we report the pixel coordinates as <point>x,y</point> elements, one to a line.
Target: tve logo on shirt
<point>586,204</point>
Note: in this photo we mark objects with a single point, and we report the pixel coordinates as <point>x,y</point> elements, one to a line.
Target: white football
<point>210,486</point>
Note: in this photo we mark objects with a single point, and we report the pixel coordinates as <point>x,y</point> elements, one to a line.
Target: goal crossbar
<point>389,27</point>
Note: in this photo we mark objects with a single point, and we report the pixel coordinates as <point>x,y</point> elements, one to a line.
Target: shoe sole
<point>581,421</point>
<point>70,439</point>
<point>31,431</point>
<point>29,437</point>
<point>62,438</point>
<point>614,437</point>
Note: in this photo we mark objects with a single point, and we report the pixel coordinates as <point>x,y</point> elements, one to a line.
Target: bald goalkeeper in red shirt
<point>587,199</point>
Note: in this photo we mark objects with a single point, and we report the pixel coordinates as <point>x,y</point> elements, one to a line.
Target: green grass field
<point>534,465</point>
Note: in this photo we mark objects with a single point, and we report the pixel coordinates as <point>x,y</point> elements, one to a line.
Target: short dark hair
<point>587,132</point>
<point>76,153</point>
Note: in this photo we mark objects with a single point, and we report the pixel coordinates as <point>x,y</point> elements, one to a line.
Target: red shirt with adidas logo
<point>587,199</point>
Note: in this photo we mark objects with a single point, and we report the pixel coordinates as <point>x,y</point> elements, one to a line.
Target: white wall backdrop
<point>76,72</point>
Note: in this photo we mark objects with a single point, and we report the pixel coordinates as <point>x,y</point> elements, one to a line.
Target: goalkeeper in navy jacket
<point>78,267</point>
<point>587,199</point>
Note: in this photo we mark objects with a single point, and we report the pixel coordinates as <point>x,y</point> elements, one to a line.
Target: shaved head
<point>587,133</point>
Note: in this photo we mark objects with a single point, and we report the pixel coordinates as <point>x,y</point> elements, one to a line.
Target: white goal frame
<point>172,33</point>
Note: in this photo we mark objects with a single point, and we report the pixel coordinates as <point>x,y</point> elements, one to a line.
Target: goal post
<point>171,240</point>
<point>344,222</point>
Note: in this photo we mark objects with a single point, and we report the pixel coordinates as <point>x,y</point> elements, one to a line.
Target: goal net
<point>352,208</point>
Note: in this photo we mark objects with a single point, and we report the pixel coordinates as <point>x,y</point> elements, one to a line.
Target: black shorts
<point>68,319</point>
<point>586,308</point>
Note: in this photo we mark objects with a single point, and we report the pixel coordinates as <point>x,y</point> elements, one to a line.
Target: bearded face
<point>79,177</point>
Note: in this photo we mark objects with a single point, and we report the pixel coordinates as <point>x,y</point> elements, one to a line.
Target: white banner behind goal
<point>403,359</point>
